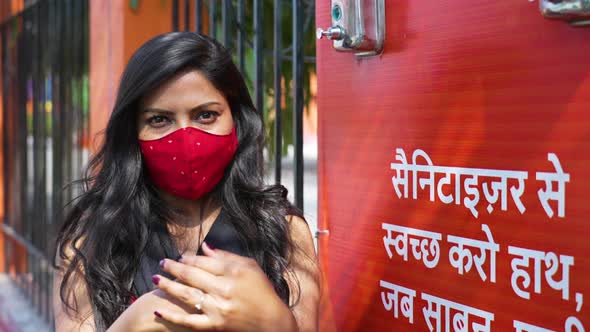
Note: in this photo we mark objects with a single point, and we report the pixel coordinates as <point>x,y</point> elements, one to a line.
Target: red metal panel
<point>474,84</point>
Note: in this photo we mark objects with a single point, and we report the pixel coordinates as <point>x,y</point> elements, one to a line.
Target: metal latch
<point>576,12</point>
<point>321,232</point>
<point>357,26</point>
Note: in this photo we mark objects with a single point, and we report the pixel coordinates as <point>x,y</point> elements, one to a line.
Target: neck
<point>190,213</point>
<point>191,220</point>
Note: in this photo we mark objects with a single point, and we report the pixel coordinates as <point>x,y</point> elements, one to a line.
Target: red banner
<point>454,172</point>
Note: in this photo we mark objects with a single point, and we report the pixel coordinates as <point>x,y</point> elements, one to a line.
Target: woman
<point>180,173</point>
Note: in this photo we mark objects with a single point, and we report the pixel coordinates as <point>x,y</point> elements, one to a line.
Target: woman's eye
<point>158,121</point>
<point>207,116</point>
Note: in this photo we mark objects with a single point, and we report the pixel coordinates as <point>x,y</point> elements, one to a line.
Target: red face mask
<point>188,162</point>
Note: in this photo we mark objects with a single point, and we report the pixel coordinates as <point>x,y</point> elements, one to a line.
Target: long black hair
<point>107,227</point>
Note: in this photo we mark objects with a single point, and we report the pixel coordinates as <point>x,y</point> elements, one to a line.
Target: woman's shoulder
<point>297,225</point>
<point>300,235</point>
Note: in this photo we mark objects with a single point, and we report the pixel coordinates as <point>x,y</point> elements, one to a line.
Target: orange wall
<point>7,9</point>
<point>106,61</point>
<point>2,246</point>
<point>10,7</point>
<point>151,18</point>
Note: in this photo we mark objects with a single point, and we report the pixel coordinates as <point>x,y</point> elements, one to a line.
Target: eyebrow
<point>160,110</point>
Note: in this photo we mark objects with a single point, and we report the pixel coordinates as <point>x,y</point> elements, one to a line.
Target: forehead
<point>186,89</point>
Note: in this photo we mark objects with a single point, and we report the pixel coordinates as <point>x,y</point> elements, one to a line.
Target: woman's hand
<point>227,292</point>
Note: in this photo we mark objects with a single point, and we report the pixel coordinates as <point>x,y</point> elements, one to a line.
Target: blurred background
<point>60,65</point>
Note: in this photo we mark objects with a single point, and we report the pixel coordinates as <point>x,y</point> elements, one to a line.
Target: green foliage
<point>134,4</point>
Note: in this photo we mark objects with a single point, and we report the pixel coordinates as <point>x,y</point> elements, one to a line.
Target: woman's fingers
<point>195,322</point>
<point>220,255</point>
<point>190,296</point>
<point>192,276</point>
<point>217,262</point>
<point>233,264</point>
<point>214,266</point>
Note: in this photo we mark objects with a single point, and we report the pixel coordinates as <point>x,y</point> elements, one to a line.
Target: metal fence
<point>45,103</point>
<point>45,134</point>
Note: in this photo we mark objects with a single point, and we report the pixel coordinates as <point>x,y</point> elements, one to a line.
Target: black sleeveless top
<point>222,235</point>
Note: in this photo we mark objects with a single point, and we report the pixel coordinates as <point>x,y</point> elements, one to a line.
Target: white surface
<point>16,310</point>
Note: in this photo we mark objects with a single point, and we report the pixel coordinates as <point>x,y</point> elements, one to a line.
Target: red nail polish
<point>159,315</point>
<point>210,246</point>
<point>156,280</point>
<point>162,263</point>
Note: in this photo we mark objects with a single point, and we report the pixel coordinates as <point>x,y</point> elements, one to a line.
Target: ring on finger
<point>199,304</point>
